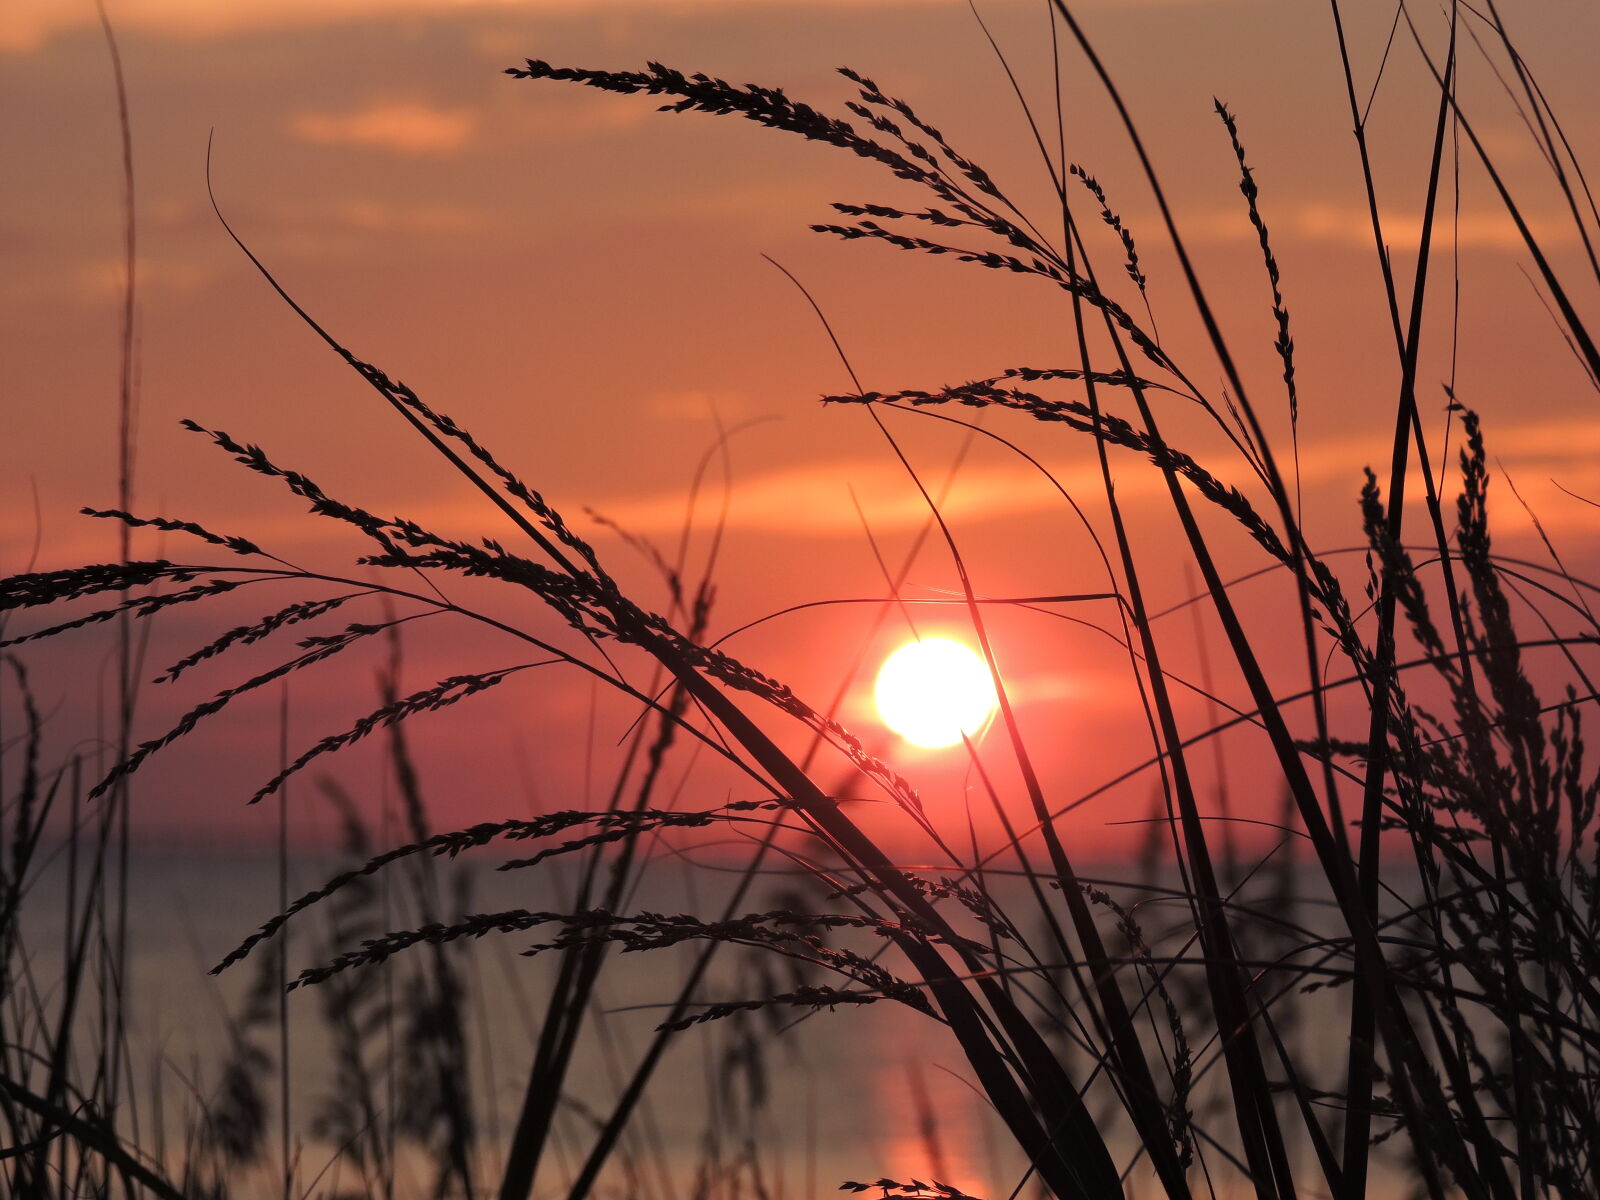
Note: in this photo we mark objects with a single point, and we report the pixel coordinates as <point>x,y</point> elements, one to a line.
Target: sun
<point>932,691</point>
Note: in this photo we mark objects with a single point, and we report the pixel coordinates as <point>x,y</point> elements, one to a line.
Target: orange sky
<point>580,281</point>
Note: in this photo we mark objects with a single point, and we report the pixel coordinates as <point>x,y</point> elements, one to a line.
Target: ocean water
<point>784,1106</point>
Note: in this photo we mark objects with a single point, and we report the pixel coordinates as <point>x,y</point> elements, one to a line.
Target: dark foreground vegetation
<point>1452,842</point>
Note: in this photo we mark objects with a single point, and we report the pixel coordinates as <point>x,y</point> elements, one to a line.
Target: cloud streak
<point>815,499</point>
<point>1325,223</point>
<point>398,126</point>
<point>27,26</point>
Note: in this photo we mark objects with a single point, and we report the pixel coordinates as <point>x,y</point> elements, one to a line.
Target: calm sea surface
<point>806,1103</point>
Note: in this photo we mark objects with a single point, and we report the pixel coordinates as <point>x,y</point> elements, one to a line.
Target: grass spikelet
<point>318,650</point>
<point>441,695</point>
<point>137,606</point>
<point>914,1189</point>
<point>813,997</point>
<point>1129,249</point>
<point>765,106</point>
<point>238,545</point>
<point>1247,186</point>
<point>33,589</point>
<point>1113,430</point>
<point>244,635</point>
<point>456,842</point>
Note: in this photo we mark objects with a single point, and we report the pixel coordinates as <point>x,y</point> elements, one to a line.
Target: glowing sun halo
<point>933,691</point>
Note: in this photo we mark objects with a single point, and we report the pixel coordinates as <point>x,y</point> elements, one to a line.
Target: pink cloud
<point>401,126</point>
<point>1351,225</point>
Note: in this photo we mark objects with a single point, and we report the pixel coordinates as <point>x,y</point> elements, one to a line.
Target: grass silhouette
<point>1457,970</point>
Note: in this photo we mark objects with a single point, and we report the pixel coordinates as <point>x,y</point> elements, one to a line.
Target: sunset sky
<point>580,281</point>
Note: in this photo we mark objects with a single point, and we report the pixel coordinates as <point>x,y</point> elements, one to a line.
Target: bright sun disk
<point>933,691</point>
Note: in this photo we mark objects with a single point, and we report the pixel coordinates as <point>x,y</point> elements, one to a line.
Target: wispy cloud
<point>1351,225</point>
<point>816,499</point>
<point>399,126</point>
<point>28,25</point>
<point>25,27</point>
<point>697,405</point>
<point>1482,229</point>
